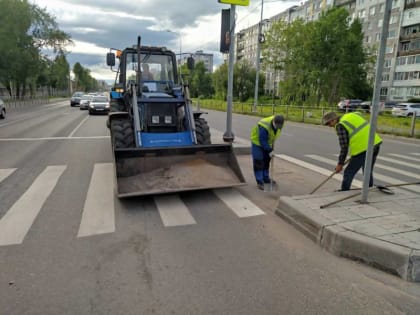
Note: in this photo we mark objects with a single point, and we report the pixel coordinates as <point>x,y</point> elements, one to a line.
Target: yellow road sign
<point>238,2</point>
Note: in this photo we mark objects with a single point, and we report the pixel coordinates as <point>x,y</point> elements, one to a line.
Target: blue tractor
<point>160,144</point>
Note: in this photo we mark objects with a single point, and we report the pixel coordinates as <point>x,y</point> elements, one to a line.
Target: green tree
<point>25,29</point>
<point>320,60</point>
<point>220,80</point>
<point>201,84</point>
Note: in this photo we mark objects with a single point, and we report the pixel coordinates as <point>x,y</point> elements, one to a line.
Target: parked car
<point>2,109</point>
<point>99,104</point>
<point>349,105</point>
<point>75,99</point>
<point>365,106</point>
<point>406,109</point>
<point>388,105</point>
<point>84,101</point>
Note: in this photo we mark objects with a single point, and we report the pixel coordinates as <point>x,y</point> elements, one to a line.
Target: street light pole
<point>257,76</point>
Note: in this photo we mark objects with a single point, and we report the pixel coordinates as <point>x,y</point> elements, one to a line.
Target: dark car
<point>99,104</point>
<point>2,110</point>
<point>75,99</point>
<point>349,105</point>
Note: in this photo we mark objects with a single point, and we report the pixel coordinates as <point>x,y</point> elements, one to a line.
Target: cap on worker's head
<point>278,121</point>
<point>329,117</point>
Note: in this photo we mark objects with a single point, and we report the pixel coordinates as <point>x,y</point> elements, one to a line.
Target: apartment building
<point>401,72</point>
<point>198,56</point>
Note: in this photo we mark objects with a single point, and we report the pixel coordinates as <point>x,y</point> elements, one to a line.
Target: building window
<point>401,61</point>
<point>362,13</point>
<point>372,11</point>
<point>384,91</point>
<point>392,34</point>
<point>385,77</point>
<point>405,46</point>
<point>387,63</point>
<point>378,37</point>
<point>393,19</point>
<point>380,22</point>
<point>395,3</point>
<point>381,8</point>
<point>367,38</point>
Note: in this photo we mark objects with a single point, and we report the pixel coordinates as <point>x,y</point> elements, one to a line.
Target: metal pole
<point>228,135</point>
<point>257,75</point>
<point>375,102</point>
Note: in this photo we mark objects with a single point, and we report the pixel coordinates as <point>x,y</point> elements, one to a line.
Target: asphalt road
<point>221,263</point>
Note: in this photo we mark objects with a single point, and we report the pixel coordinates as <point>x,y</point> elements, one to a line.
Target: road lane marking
<point>405,157</point>
<point>15,224</point>
<point>5,172</point>
<point>53,138</point>
<point>77,127</point>
<point>98,212</point>
<point>173,211</point>
<point>240,205</point>
<point>416,166</point>
<point>381,177</point>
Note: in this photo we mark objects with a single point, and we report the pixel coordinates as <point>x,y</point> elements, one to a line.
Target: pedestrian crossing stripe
<point>98,215</point>
<point>4,173</point>
<point>15,224</point>
<point>405,157</point>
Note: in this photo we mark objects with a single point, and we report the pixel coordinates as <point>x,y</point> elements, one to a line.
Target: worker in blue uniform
<point>263,136</point>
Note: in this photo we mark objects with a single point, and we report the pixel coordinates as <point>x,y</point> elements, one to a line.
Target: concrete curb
<point>389,257</point>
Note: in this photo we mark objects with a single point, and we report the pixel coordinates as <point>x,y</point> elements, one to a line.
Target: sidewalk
<point>384,233</point>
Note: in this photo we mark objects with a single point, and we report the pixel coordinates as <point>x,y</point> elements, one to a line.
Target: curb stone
<point>389,257</point>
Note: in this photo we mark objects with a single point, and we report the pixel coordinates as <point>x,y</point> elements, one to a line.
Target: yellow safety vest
<point>266,124</point>
<point>358,129</point>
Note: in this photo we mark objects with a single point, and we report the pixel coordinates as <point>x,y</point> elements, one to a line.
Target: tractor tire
<point>117,105</point>
<point>3,113</point>
<point>202,131</point>
<point>122,134</point>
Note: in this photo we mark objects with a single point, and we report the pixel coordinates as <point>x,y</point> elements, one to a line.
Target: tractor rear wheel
<point>202,131</point>
<point>122,134</point>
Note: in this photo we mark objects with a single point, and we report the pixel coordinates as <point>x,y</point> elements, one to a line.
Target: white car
<point>84,101</point>
<point>406,109</point>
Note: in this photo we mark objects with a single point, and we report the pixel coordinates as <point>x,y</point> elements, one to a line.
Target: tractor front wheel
<point>202,131</point>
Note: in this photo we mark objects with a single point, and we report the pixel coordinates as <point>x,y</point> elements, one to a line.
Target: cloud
<point>95,26</point>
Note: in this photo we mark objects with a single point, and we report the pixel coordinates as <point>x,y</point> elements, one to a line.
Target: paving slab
<point>384,233</point>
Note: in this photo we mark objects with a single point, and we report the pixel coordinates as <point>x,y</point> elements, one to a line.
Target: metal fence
<point>402,126</point>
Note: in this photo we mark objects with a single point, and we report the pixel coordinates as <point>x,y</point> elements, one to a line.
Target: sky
<point>95,26</point>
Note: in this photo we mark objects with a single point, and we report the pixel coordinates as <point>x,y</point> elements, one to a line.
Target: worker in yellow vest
<point>263,136</point>
<point>353,136</point>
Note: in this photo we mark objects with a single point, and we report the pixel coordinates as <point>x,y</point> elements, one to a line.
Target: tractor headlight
<point>155,119</point>
<point>168,119</point>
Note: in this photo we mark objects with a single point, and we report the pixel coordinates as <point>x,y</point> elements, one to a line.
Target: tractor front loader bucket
<point>150,171</point>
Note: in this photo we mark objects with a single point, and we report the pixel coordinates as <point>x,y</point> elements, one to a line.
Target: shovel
<point>272,185</point>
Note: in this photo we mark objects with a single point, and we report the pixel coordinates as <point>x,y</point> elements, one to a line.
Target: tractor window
<point>160,67</point>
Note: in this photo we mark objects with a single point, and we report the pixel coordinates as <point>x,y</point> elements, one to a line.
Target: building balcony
<point>412,5</point>
<point>409,52</point>
<point>409,36</point>
<point>339,3</point>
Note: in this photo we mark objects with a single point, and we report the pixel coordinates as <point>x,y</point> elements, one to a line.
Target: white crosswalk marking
<point>405,157</point>
<point>317,169</point>
<point>396,161</point>
<point>173,211</point>
<point>240,205</point>
<point>5,172</point>
<point>16,223</point>
<point>381,177</point>
<point>98,212</point>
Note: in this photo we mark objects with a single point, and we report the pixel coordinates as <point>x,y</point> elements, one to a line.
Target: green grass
<point>387,124</point>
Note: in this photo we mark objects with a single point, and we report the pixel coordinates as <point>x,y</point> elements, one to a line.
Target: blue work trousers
<point>261,163</point>
<point>356,163</point>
